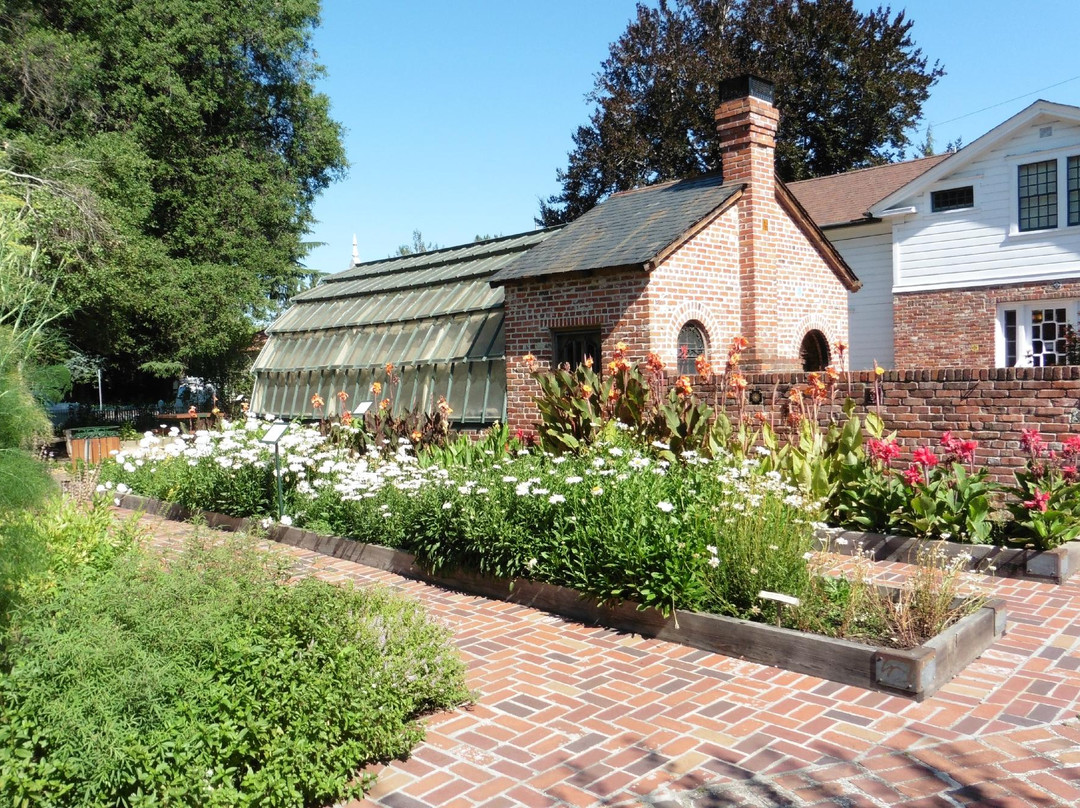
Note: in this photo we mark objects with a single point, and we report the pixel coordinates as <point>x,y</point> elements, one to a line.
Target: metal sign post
<point>273,436</point>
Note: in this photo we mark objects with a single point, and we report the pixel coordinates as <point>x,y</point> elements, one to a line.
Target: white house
<point>967,260</point>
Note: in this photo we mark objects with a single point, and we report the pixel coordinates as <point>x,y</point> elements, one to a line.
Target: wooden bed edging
<point>916,673</point>
<point>1049,566</point>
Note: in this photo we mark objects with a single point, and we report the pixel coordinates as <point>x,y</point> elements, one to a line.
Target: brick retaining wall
<point>989,405</point>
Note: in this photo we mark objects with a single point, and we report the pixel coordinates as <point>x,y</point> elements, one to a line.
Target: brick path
<point>571,715</point>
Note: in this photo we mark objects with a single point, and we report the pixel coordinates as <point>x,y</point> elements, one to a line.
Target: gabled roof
<point>846,198</point>
<point>977,148</point>
<point>629,230</point>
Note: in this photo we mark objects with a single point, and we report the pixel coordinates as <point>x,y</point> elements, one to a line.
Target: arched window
<point>692,344</point>
<point>814,351</point>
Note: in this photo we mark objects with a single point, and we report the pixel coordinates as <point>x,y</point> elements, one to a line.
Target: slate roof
<point>846,198</point>
<point>628,230</point>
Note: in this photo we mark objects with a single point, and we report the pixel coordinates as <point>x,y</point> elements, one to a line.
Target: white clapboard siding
<point>868,251</point>
<point>979,246</point>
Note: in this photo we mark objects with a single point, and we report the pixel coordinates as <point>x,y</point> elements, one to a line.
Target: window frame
<point>1023,337</point>
<point>1054,218</point>
<point>1063,158</point>
<point>952,189</point>
<point>560,337</point>
<point>688,366</point>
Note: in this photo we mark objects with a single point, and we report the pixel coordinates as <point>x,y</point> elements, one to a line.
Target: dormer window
<point>952,199</point>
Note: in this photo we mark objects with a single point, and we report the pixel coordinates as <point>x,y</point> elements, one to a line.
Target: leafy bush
<point>210,682</point>
<point>1045,502</point>
<point>40,547</point>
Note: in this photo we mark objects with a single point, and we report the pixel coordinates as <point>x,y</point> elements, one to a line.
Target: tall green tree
<point>849,85</point>
<point>171,153</point>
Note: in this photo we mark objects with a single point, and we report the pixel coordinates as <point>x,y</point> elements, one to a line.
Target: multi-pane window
<point>1039,334</point>
<point>691,346</point>
<point>1073,186</point>
<point>1048,343</point>
<point>1038,195</point>
<point>952,199</point>
<point>572,347</point>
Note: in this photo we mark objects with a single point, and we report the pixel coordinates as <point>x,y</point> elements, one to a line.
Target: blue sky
<point>458,114</point>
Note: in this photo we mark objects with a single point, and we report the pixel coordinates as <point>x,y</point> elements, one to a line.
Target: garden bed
<point>916,673</point>
<point>1049,566</point>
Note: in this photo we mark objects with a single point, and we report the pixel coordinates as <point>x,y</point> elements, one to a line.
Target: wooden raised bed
<point>916,673</point>
<point>1051,566</point>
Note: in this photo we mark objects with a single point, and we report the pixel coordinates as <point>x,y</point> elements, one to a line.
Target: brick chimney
<point>746,122</point>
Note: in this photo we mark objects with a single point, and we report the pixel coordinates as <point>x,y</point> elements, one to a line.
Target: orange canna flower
<point>832,374</point>
<point>444,407</point>
<point>416,435</point>
<point>794,395</point>
<point>740,343</point>
<point>243,406</point>
<point>738,381</point>
<point>653,362</point>
<point>342,396</point>
<point>841,346</point>
<point>704,369</point>
<point>588,362</point>
<point>346,417</point>
<point>734,358</point>
<point>620,349</point>
<point>384,404</point>
<point>389,368</point>
<point>682,386</point>
<point>584,391</point>
<point>529,360</point>
<point>376,388</point>
<point>317,401</point>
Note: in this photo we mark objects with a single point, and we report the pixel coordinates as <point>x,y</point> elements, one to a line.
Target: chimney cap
<point>746,86</point>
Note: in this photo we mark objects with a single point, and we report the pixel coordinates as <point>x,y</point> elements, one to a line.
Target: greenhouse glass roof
<point>433,315</point>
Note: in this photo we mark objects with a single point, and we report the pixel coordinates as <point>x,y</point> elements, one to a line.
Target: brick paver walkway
<point>574,715</point>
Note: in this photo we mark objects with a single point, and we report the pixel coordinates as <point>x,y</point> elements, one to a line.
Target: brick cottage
<point>681,268</point>
<point>678,269</point>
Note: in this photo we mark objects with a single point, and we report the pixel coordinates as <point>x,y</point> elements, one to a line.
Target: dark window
<point>571,347</point>
<point>952,199</point>
<point>1048,337</point>
<point>1010,337</point>
<point>1038,195</point>
<point>1074,190</point>
<point>814,352</point>
<point>691,346</point>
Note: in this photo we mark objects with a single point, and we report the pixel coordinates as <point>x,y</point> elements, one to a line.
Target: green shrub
<point>211,682</point>
<point>39,547</point>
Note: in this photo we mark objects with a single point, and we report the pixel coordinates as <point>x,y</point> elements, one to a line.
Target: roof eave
<point>694,229</point>
<point>977,148</point>
<point>581,272</point>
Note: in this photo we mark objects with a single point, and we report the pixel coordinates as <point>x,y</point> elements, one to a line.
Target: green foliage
<point>171,158</point>
<point>42,546</point>
<point>950,503</point>
<point>571,405</point>
<point>1045,501</point>
<point>849,86</point>
<point>210,683</point>
<point>578,408</point>
<point>26,374</point>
